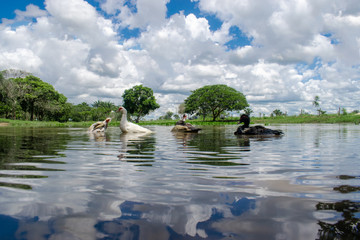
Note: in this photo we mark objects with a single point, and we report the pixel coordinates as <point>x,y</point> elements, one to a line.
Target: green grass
<point>302,119</point>
<point>326,118</point>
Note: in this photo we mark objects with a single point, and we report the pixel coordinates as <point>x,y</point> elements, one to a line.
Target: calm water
<point>67,184</point>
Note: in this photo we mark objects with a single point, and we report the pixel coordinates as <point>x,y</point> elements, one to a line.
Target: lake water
<point>59,183</point>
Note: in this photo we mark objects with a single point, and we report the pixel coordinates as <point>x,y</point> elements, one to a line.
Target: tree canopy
<point>30,97</point>
<point>214,100</point>
<point>139,101</point>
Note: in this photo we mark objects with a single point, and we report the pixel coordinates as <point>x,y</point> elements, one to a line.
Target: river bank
<point>300,119</point>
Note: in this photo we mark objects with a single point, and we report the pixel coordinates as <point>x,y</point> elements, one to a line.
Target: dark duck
<point>254,130</point>
<point>182,126</point>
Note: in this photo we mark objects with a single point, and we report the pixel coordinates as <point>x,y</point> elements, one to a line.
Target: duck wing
<point>132,127</point>
<point>98,126</point>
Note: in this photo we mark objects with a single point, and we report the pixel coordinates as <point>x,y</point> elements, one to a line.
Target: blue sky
<point>173,7</point>
<point>280,55</point>
<point>7,9</point>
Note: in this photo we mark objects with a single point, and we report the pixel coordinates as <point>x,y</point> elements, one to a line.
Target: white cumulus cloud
<point>298,49</point>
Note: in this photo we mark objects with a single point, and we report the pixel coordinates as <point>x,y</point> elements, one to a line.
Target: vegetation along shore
<point>300,119</point>
<point>26,100</point>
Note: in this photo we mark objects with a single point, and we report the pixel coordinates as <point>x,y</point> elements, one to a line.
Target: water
<point>62,183</point>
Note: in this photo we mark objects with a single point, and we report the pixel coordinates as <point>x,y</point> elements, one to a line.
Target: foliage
<point>102,110</point>
<point>31,98</point>
<point>181,109</point>
<point>139,101</point>
<point>248,111</point>
<point>168,115</point>
<point>80,112</point>
<point>214,100</point>
<point>316,104</point>
<point>28,98</point>
<point>300,119</point>
<point>344,112</point>
<point>277,112</point>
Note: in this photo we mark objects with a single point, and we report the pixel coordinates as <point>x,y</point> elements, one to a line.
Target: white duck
<point>100,126</point>
<point>127,126</point>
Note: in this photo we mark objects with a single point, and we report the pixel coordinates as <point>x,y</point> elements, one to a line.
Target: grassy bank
<point>326,118</point>
<point>302,119</point>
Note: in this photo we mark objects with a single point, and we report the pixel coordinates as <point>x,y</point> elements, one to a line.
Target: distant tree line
<point>26,97</point>
<point>30,98</point>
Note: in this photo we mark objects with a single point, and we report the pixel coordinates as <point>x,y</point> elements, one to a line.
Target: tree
<point>168,115</point>
<point>214,100</point>
<point>181,108</point>
<point>101,110</point>
<point>27,95</point>
<point>81,112</point>
<point>39,97</point>
<point>139,101</point>
<point>248,111</point>
<point>344,112</point>
<point>9,94</point>
<point>317,105</point>
<point>277,112</point>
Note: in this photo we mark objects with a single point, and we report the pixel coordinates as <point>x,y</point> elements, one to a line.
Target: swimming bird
<point>182,126</point>
<point>254,130</point>
<point>127,126</point>
<point>100,126</point>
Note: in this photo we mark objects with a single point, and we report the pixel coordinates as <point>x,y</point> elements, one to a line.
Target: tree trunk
<point>32,111</point>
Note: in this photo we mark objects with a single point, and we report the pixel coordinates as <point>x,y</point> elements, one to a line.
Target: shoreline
<point>306,119</point>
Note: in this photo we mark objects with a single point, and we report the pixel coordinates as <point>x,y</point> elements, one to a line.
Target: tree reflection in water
<point>349,226</point>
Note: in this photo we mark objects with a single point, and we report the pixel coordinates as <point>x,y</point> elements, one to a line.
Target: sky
<point>279,54</point>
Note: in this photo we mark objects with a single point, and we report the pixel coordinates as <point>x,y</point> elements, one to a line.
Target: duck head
<point>121,109</point>
<point>244,118</point>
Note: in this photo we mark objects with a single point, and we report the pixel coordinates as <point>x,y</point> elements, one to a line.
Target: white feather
<point>127,126</point>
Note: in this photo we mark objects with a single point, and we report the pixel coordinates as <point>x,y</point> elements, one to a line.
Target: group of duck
<point>183,126</point>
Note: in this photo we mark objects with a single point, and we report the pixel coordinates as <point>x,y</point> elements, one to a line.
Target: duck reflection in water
<point>135,144</point>
<point>99,136</point>
<point>185,137</point>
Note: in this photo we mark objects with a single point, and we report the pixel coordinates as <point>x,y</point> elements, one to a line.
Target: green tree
<point>168,115</point>
<point>27,95</point>
<point>316,104</point>
<point>248,111</point>
<point>101,110</point>
<point>181,108</point>
<point>139,101</point>
<point>81,112</point>
<point>40,99</point>
<point>39,96</point>
<point>344,112</point>
<point>277,112</point>
<point>214,100</point>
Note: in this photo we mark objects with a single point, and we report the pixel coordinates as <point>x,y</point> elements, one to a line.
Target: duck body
<point>182,126</point>
<point>100,126</point>
<point>129,127</point>
<point>254,130</point>
<point>257,130</point>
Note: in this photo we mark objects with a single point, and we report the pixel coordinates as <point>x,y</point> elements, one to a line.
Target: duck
<point>99,126</point>
<point>129,127</point>
<point>182,126</point>
<point>254,130</point>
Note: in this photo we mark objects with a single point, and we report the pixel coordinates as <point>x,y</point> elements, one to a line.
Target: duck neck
<point>124,116</point>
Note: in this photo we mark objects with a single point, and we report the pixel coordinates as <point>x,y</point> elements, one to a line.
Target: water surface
<point>60,183</point>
